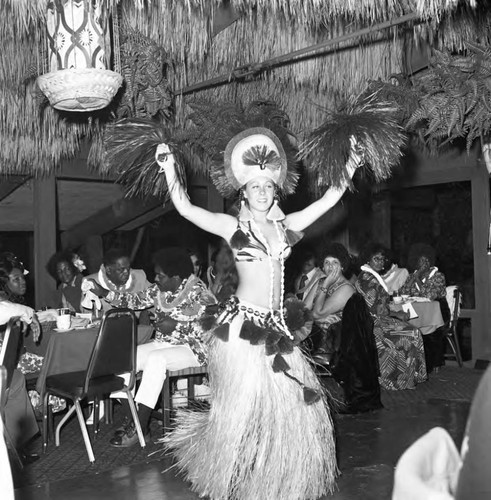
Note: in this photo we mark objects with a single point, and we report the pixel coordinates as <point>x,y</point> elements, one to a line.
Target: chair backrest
<point>115,347</point>
<point>11,347</point>
<point>454,298</point>
<point>3,390</point>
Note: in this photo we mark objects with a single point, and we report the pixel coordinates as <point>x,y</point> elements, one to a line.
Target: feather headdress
<point>232,145</point>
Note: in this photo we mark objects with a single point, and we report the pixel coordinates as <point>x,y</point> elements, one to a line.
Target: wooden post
<point>44,207</point>
<point>481,335</point>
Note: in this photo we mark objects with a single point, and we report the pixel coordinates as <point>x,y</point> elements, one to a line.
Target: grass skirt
<point>259,440</point>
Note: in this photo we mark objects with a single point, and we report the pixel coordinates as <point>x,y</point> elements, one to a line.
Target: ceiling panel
<point>77,200</point>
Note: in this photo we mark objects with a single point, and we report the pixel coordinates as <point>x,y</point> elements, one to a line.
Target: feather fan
<point>373,123</point>
<point>129,153</point>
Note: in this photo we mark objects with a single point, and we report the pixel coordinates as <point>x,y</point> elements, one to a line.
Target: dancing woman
<point>269,433</point>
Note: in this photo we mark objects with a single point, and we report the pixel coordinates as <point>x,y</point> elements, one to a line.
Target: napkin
<point>419,299</point>
<point>408,307</point>
<point>90,297</point>
<point>47,316</point>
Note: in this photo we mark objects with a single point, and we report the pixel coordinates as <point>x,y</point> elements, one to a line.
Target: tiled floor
<point>369,446</point>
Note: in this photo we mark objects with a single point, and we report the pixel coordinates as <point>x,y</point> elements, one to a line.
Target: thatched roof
<point>35,137</point>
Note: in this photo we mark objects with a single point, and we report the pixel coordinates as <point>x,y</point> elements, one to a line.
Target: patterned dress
<point>399,344</point>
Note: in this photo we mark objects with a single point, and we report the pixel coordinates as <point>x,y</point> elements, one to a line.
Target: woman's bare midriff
<point>255,282</point>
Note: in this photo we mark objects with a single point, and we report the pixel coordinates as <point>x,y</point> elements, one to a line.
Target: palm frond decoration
<point>455,98</point>
<point>374,125</point>
<point>129,153</point>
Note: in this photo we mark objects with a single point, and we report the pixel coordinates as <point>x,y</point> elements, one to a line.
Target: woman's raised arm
<point>298,221</point>
<point>220,224</point>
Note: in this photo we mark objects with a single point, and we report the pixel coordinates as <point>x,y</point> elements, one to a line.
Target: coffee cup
<point>63,322</point>
<point>398,300</point>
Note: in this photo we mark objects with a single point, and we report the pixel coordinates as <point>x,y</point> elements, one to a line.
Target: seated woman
<point>180,300</point>
<point>12,291</point>
<point>329,300</point>
<point>222,275</point>
<point>13,285</point>
<point>425,280</point>
<point>393,275</point>
<point>66,268</point>
<point>399,344</point>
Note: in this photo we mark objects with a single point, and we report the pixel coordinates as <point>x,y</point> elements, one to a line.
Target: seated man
<point>308,280</point>
<point>116,275</point>
<point>180,299</point>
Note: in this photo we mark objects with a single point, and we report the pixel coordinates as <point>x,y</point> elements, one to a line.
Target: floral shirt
<point>432,287</point>
<point>177,313</point>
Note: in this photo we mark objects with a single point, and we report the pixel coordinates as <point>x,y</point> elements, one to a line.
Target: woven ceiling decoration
<point>36,138</point>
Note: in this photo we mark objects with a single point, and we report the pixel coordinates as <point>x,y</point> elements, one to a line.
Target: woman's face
<point>196,264</point>
<point>331,265</point>
<point>377,261</point>
<point>224,260</point>
<point>423,263</point>
<point>64,271</point>
<point>259,193</point>
<point>17,282</point>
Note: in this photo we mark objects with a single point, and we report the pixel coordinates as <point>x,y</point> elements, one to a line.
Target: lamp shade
<point>79,51</point>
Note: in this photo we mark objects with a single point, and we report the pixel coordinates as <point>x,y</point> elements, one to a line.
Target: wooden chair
<point>194,376</point>
<point>114,353</point>
<point>9,357</point>
<point>451,331</point>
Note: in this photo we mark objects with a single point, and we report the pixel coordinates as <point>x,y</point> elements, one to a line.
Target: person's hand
<point>35,328</point>
<point>97,289</point>
<point>164,157</point>
<point>357,156</point>
<point>332,275</point>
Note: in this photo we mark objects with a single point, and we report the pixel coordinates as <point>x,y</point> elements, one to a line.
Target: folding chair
<point>451,333</point>
<point>114,353</point>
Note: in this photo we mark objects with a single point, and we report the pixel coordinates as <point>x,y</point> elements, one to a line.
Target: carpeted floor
<point>451,385</point>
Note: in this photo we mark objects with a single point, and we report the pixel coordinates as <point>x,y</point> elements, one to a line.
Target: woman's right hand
<point>164,157</point>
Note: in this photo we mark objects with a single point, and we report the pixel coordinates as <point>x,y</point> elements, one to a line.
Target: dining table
<point>428,313</point>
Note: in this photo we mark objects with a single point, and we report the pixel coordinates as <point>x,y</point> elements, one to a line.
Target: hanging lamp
<point>79,54</point>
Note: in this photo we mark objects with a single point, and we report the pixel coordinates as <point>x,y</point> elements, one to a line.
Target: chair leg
<point>458,354</point>
<point>62,423</point>
<point>108,411</point>
<point>95,409</point>
<point>45,428</point>
<point>134,414</point>
<point>166,404</point>
<point>455,349</point>
<point>191,384</point>
<point>83,428</point>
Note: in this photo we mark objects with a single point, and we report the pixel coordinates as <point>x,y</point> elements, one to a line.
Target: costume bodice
<point>250,246</point>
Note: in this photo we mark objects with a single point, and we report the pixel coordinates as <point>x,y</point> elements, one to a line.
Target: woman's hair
<point>418,250</point>
<point>338,251</point>
<point>9,262</point>
<point>372,249</point>
<point>174,261</point>
<point>63,256</point>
